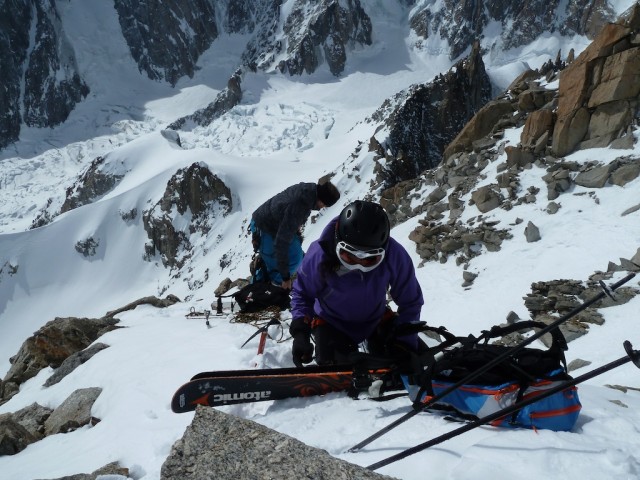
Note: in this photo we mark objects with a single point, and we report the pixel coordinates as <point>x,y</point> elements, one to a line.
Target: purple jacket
<point>354,302</point>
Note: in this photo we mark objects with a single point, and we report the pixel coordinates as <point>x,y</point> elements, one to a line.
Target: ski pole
<point>632,356</point>
<point>488,366</point>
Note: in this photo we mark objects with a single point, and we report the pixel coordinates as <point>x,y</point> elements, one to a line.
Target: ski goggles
<point>355,259</point>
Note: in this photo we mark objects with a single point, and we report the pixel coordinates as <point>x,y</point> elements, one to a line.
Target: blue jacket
<point>350,300</point>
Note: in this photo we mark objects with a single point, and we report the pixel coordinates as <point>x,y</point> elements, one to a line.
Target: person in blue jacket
<point>278,222</point>
<point>339,296</point>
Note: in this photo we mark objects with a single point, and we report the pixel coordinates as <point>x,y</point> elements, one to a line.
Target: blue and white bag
<point>527,373</point>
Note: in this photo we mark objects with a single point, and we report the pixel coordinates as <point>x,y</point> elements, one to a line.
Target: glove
<point>302,350</point>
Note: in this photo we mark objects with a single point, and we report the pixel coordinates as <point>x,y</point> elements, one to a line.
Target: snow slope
<point>285,131</point>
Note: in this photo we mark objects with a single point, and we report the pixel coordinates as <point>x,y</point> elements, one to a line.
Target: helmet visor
<point>353,258</point>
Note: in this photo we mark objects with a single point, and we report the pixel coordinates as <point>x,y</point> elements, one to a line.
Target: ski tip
<point>181,404</point>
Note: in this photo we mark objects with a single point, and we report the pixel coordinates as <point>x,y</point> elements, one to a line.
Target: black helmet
<point>364,225</point>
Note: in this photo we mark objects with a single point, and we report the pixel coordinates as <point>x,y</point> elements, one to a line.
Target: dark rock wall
<point>431,116</point>
<point>324,31</point>
<point>34,49</point>
<point>14,42</point>
<point>167,38</point>
<point>53,85</point>
<point>463,21</point>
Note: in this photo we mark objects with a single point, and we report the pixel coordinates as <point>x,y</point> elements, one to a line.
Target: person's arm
<point>303,298</point>
<point>306,285</point>
<point>405,290</point>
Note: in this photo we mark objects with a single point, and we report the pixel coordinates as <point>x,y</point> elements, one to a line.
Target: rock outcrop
<point>74,412</point>
<point>62,344</point>
<point>195,190</point>
<point>50,346</point>
<point>224,101</point>
<point>427,118</point>
<point>59,344</point>
<point>599,91</point>
<point>217,445</point>
<point>93,183</point>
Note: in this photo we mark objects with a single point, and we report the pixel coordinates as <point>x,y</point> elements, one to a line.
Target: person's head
<point>327,194</point>
<point>362,235</point>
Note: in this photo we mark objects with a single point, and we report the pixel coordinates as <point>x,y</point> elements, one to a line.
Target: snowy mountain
<point>102,204</point>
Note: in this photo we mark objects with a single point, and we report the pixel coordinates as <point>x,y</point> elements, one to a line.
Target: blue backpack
<point>525,374</point>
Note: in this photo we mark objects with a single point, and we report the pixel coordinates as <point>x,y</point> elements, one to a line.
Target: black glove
<point>302,350</point>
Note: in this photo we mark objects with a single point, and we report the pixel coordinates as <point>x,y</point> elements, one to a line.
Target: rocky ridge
<point>532,102</point>
<point>521,22</point>
<point>63,344</point>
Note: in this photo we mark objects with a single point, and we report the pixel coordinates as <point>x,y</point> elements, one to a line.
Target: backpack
<point>259,296</point>
<point>520,376</point>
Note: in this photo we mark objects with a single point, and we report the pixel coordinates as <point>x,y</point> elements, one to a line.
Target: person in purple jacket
<point>340,294</point>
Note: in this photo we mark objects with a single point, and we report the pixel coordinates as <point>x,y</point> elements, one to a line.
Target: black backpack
<point>526,373</point>
<point>258,296</point>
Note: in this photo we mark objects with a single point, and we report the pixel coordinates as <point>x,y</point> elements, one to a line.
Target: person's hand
<point>302,350</point>
<point>286,284</point>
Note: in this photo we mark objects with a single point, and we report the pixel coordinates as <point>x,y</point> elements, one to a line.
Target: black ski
<point>218,388</point>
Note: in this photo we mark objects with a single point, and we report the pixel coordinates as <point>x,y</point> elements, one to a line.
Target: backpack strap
<point>404,329</point>
<point>558,341</point>
<point>557,338</point>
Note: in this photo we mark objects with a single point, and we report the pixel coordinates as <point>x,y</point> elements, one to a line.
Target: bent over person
<point>279,220</point>
<point>340,293</point>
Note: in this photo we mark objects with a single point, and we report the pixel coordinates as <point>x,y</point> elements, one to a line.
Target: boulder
<point>74,361</point>
<point>532,233</point>
<point>74,412</point>
<point>537,124</point>
<point>218,445</point>
<point>486,198</point>
<point>625,174</point>
<point>13,437</point>
<point>479,126</point>
<point>50,346</point>
<point>32,418</point>
<point>595,177</point>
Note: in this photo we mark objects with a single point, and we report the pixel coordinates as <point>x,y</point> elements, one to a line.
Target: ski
<point>231,387</point>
